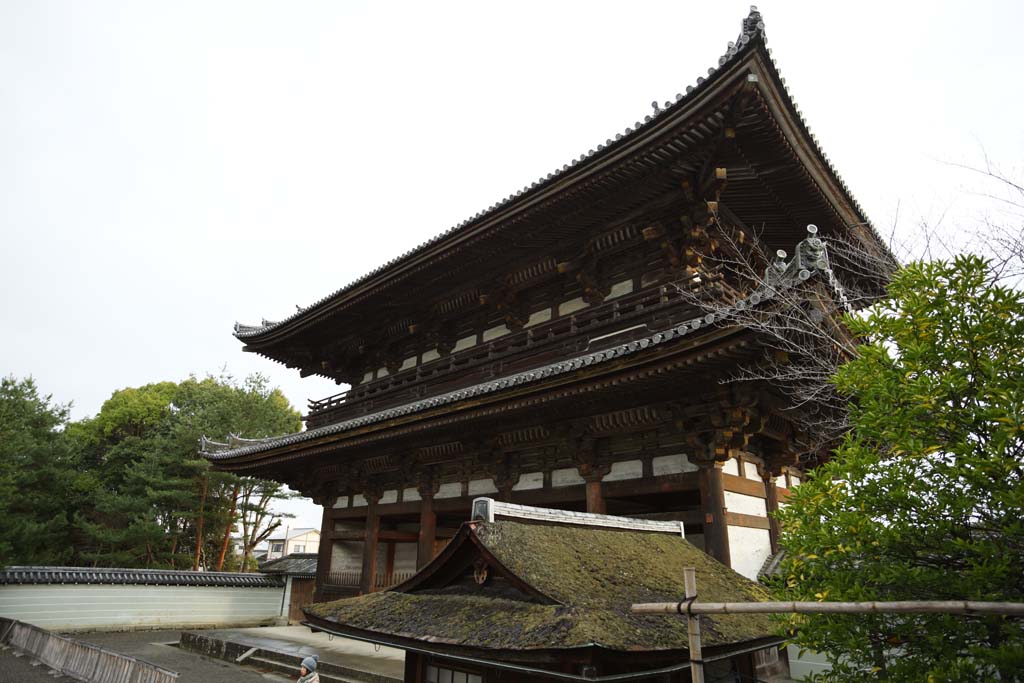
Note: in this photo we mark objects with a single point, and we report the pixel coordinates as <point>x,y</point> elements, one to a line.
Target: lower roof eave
<point>511,660</point>
<point>700,350</point>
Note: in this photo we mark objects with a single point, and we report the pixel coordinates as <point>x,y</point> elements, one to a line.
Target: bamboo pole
<point>693,628</point>
<point>904,606</point>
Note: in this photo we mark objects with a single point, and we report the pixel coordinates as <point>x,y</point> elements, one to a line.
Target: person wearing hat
<point>307,672</point>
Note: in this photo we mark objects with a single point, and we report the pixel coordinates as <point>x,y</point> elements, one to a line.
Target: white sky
<point>169,168</point>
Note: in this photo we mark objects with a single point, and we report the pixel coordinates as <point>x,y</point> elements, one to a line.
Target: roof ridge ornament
<point>488,509</point>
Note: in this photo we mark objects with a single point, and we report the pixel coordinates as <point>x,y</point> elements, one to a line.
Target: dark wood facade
<point>547,352</point>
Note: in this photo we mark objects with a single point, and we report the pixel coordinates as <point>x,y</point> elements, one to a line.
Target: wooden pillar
<point>771,500</point>
<point>712,507</point>
<point>595,497</point>
<point>389,562</point>
<point>413,668</point>
<point>593,474</point>
<point>326,550</point>
<point>369,573</point>
<point>428,531</point>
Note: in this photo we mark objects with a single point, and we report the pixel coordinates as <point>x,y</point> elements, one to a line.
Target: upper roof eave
<point>750,47</point>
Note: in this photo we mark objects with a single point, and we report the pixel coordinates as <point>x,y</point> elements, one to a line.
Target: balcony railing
<point>383,580</point>
<point>436,375</point>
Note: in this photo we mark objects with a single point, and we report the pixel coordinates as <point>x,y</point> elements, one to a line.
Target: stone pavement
<point>157,648</point>
<point>353,654</point>
<point>153,647</point>
<point>20,670</point>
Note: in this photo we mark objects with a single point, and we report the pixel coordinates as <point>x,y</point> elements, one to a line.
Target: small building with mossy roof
<point>532,594</point>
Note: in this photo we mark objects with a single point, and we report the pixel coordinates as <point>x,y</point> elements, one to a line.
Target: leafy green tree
<point>159,504</point>
<point>40,481</point>
<point>923,499</point>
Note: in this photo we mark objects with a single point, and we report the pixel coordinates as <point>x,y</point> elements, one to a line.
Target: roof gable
<point>550,586</point>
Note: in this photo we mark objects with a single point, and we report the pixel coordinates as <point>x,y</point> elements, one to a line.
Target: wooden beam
<point>386,535</point>
<point>745,520</point>
<point>748,487</point>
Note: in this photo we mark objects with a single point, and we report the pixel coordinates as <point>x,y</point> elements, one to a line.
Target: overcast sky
<point>169,168</point>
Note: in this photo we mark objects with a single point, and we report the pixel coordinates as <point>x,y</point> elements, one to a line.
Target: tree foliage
<point>138,495</point>
<point>923,499</point>
<point>35,463</point>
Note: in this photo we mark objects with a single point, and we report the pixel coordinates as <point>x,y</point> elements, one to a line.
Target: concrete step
<point>277,660</point>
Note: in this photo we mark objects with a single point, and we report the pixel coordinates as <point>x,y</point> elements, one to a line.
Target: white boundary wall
<point>96,607</point>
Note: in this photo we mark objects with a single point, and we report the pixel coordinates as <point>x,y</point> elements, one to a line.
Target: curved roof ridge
<point>752,27</point>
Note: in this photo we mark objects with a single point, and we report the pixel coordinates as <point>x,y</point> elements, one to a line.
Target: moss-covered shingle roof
<point>584,580</point>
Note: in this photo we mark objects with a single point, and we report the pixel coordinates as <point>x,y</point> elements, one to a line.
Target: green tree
<point>158,503</point>
<point>35,464</point>
<point>923,499</point>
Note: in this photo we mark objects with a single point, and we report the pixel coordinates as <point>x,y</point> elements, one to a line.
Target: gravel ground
<point>150,646</point>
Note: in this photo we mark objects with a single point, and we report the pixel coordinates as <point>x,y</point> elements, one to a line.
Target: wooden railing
<point>383,580</point>
<point>437,376</point>
<point>79,660</point>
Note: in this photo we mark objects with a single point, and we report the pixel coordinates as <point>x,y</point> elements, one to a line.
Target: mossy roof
<point>584,581</point>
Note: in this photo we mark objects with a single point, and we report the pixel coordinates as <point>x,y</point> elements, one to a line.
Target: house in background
<point>291,541</point>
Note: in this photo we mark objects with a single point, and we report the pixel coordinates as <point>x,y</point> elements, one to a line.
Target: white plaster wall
<point>748,548</point>
<point>750,471</point>
<point>672,464</point>
<point>479,487</point>
<point>539,317</point>
<point>358,500</point>
<point>529,481</point>
<point>731,467</point>
<point>410,495</point>
<point>495,332</point>
<point>341,502</point>
<point>748,505</point>
<point>409,362</point>
<point>804,663</point>
<point>100,607</point>
<point>568,476</point>
<point>450,490</point>
<point>389,496</point>
<point>432,354</point>
<point>571,306</point>
<point>620,289</point>
<point>464,343</point>
<point>627,469</point>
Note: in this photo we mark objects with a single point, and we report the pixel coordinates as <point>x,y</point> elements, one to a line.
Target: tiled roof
<point>810,258</point>
<point>296,564</point>
<point>752,28</point>
<point>146,577</point>
<point>580,583</point>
